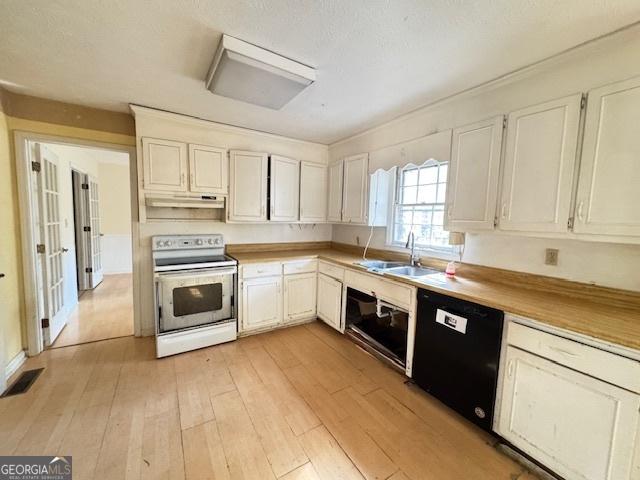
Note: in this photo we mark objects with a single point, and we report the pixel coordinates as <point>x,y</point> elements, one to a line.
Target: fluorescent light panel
<point>254,75</point>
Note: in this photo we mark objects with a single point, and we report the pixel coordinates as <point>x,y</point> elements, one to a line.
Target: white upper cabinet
<point>313,192</point>
<point>380,196</point>
<point>334,206</point>
<point>285,189</point>
<point>208,170</point>
<point>539,165</point>
<point>472,186</point>
<point>164,165</point>
<point>248,186</point>
<point>608,199</point>
<point>355,184</point>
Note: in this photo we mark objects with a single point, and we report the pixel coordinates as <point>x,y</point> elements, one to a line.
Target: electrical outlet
<point>551,256</point>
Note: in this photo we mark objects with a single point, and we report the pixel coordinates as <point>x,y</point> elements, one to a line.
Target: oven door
<point>193,298</point>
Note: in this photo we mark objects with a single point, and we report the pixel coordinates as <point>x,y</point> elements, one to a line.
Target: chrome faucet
<point>411,243</point>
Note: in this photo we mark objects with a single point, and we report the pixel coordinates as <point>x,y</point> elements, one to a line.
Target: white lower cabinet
<point>329,301</point>
<point>299,296</point>
<point>577,425</point>
<point>261,303</point>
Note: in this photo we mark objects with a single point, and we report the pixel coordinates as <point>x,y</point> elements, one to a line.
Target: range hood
<point>183,201</point>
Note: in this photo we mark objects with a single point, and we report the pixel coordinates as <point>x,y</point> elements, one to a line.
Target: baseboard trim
<point>14,364</point>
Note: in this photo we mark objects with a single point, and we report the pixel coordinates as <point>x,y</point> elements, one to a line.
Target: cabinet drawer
<point>395,293</point>
<point>592,361</point>
<point>301,266</point>
<point>331,270</point>
<point>254,270</point>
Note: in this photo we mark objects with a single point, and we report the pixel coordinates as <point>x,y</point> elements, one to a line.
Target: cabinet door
<point>313,192</point>
<point>329,301</point>
<point>472,185</point>
<point>545,407</point>
<point>539,164</point>
<point>356,181</point>
<point>609,182</point>
<point>285,189</point>
<point>248,186</point>
<point>208,170</point>
<point>299,296</point>
<point>164,165</point>
<point>261,303</point>
<point>334,207</point>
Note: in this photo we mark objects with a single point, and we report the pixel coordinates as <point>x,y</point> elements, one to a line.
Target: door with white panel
<point>164,165</point>
<point>261,303</point>
<point>95,251</point>
<point>248,186</point>
<point>472,185</point>
<point>334,205</point>
<point>356,181</point>
<point>539,166</point>
<point>284,189</point>
<point>545,407</point>
<point>50,249</point>
<point>313,192</point>
<point>299,296</point>
<point>329,300</point>
<point>208,169</point>
<point>609,184</point>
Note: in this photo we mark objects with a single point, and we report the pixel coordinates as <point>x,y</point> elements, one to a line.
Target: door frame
<point>27,195</point>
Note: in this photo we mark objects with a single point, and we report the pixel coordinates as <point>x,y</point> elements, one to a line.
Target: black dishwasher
<point>457,353</point>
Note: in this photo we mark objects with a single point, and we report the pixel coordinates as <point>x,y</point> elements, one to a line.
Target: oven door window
<point>197,299</point>
<point>191,302</point>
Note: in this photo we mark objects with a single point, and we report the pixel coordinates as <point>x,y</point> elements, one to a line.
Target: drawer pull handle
<point>565,352</point>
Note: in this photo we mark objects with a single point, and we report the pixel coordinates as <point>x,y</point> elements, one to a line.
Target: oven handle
<point>197,273</point>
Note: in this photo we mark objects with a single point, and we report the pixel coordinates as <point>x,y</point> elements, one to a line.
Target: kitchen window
<point>420,205</point>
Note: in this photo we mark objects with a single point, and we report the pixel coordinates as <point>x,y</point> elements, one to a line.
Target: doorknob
<point>65,250</point>
<point>1,275</point>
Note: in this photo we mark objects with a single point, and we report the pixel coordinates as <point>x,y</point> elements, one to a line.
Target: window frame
<point>448,252</point>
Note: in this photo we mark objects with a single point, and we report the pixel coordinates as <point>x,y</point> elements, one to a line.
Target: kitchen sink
<point>410,271</point>
<point>379,264</point>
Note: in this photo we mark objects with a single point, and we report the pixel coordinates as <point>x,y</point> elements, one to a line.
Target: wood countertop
<point>602,313</point>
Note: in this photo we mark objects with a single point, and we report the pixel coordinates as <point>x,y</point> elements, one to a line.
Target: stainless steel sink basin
<point>413,272</point>
<point>379,264</point>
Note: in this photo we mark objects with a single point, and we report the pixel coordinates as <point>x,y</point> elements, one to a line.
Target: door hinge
<point>44,322</point>
<point>88,270</point>
<point>40,248</point>
<point>570,223</point>
<point>36,166</point>
<point>86,229</point>
<point>504,122</point>
<point>583,102</point>
<point>495,222</point>
<point>85,186</point>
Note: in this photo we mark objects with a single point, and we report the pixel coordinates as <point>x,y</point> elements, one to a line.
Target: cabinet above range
<point>192,169</point>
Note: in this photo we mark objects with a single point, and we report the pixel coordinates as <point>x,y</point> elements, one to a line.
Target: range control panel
<point>186,242</point>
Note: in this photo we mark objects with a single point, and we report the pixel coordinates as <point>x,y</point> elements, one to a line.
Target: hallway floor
<point>103,313</point>
<point>298,403</point>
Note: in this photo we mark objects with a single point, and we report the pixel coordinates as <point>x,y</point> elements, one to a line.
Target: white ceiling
<point>375,59</point>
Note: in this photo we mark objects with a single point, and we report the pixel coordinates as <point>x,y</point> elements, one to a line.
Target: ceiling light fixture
<point>254,75</point>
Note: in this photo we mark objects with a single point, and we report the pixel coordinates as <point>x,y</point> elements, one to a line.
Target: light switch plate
<point>551,256</point>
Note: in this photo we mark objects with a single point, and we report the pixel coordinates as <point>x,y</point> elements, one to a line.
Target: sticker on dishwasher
<point>455,322</point>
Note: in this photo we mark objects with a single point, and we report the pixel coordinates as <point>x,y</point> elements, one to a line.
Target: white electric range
<point>195,291</point>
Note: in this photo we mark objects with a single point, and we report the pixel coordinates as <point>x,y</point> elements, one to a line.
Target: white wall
<point>115,215</point>
<point>606,61</point>
<point>185,129</point>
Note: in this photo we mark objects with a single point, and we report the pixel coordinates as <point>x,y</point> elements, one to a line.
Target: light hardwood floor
<point>298,403</point>
<point>105,312</point>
